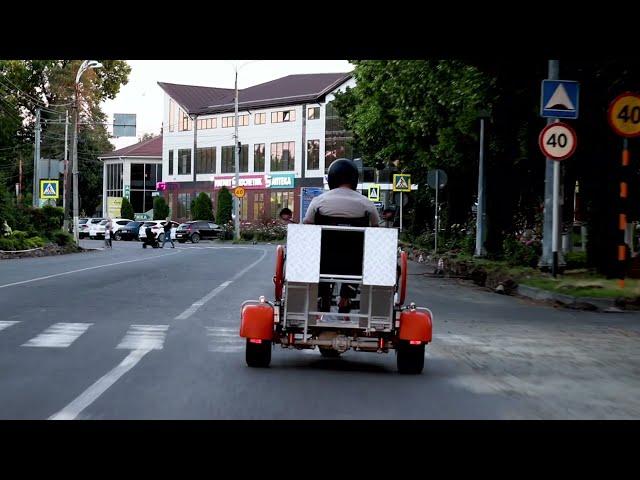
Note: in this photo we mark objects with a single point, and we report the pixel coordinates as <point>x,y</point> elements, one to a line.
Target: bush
<point>62,238</point>
<point>20,242</point>
<point>519,253</point>
<point>225,206</point>
<point>202,208</point>
<point>160,208</point>
<point>576,260</point>
<point>127,209</point>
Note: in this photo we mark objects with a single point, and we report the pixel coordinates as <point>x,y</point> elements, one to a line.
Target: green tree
<point>202,208</point>
<point>160,208</point>
<point>127,209</point>
<point>26,85</point>
<point>225,206</point>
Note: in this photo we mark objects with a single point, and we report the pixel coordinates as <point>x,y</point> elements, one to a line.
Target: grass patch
<point>581,285</point>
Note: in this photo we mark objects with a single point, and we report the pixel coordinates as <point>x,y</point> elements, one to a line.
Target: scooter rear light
<point>414,342</point>
<point>255,340</point>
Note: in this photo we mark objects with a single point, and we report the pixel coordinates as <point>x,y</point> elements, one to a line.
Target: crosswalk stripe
<point>7,324</point>
<point>144,337</point>
<point>58,335</point>
<point>225,340</point>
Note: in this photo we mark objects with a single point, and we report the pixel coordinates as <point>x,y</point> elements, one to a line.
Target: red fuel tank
<point>257,321</point>
<point>415,325</point>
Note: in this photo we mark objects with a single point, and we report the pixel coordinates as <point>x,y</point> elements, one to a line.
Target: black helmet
<point>342,171</point>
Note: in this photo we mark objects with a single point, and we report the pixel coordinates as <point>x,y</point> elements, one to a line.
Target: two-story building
<point>289,134</point>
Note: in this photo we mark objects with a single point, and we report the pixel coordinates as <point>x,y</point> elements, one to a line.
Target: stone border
<point>569,301</point>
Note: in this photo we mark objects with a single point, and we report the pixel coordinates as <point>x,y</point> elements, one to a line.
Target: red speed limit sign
<point>558,141</point>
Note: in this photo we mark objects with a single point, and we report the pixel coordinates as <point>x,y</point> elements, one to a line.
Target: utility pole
<point>19,193</point>
<point>236,200</point>
<point>480,211</point>
<point>552,173</point>
<point>75,166</point>
<point>36,160</point>
<point>65,198</point>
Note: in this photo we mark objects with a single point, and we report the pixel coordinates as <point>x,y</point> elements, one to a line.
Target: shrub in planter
<point>62,238</point>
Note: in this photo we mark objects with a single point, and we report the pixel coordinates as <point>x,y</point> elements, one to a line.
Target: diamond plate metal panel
<point>303,253</point>
<point>380,256</point>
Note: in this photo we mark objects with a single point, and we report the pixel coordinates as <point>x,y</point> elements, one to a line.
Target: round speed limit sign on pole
<point>558,141</point>
<point>624,115</point>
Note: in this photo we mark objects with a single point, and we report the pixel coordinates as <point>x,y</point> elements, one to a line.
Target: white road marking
<point>196,305</point>
<point>89,396</point>
<point>85,269</point>
<point>7,324</point>
<point>225,340</point>
<point>58,335</point>
<point>144,337</point>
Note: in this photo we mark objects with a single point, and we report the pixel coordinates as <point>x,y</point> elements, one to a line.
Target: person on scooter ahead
<point>342,201</point>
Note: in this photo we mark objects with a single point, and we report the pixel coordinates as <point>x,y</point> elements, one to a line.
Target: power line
<point>3,77</point>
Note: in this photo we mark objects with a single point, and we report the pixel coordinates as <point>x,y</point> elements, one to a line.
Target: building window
<point>338,141</point>
<point>206,160</point>
<point>258,206</point>
<point>184,161</point>
<point>184,122</point>
<point>260,118</point>
<point>313,154</point>
<point>280,200</point>
<point>143,183</point>
<point>229,161</point>
<point>207,123</point>
<point>170,162</point>
<point>172,115</point>
<point>114,180</point>
<point>244,208</point>
<point>283,156</point>
<point>243,121</point>
<point>258,157</point>
<point>313,113</point>
<point>284,116</point>
<point>184,205</point>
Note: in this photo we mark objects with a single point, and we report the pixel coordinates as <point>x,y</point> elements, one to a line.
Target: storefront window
<point>280,200</point>
<point>258,206</point>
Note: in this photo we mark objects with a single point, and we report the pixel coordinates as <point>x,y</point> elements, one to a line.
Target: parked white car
<point>157,227</point>
<point>84,227</point>
<point>97,230</point>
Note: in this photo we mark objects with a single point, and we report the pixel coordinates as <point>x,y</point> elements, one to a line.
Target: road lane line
<point>84,270</point>
<point>58,335</point>
<point>196,305</point>
<point>71,411</point>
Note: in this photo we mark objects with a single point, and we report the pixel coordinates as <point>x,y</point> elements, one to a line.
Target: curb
<point>569,301</point>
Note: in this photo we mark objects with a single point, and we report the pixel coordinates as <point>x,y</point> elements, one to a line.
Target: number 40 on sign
<point>558,141</point>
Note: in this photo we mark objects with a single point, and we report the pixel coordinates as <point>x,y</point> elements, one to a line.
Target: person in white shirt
<point>341,201</point>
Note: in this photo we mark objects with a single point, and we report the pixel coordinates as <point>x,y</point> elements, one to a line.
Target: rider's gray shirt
<point>342,202</point>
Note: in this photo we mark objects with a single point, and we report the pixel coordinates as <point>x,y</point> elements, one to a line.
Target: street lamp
<point>236,201</point>
<point>86,65</point>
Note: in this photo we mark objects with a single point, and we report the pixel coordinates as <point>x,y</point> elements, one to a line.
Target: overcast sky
<point>143,96</point>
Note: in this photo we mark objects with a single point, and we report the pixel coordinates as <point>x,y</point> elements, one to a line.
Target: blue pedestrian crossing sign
<point>49,189</point>
<point>559,99</point>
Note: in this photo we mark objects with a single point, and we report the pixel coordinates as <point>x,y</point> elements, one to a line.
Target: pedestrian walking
<point>107,233</point>
<point>167,234</point>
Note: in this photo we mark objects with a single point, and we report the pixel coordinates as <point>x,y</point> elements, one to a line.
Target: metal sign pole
<point>556,217</point>
<point>401,211</point>
<point>436,214</point>
<point>622,250</point>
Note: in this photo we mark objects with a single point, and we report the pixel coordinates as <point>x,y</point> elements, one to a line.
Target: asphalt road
<point>72,329</point>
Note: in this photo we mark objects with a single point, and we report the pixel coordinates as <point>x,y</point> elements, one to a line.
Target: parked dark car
<point>130,231</point>
<point>197,230</point>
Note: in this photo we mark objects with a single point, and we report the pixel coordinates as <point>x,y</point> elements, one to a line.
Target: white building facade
<point>288,130</point>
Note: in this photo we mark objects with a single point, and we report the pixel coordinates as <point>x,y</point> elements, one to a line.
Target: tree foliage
<point>25,86</point>
<point>160,208</point>
<point>127,209</point>
<point>225,206</point>
<point>202,208</point>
